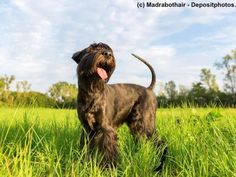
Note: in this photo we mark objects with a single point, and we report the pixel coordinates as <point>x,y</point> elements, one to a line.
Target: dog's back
<point>123,99</point>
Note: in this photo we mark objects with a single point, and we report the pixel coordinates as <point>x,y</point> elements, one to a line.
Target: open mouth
<point>102,70</point>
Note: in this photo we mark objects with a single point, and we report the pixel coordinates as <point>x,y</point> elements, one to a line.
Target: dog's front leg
<point>87,132</point>
<point>102,135</point>
<point>107,144</point>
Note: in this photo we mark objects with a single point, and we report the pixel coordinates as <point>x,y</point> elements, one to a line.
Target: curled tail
<point>151,86</point>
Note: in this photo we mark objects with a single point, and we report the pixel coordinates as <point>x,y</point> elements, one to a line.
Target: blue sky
<point>38,38</point>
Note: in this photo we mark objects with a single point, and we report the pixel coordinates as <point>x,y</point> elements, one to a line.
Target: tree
<point>228,65</point>
<point>170,89</point>
<point>6,81</point>
<point>2,85</point>
<point>23,86</point>
<point>198,94</point>
<point>209,79</point>
<point>183,91</point>
<point>64,93</point>
<point>32,98</point>
<point>160,91</point>
<point>5,84</point>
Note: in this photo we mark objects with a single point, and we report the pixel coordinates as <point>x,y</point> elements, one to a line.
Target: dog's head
<point>96,61</point>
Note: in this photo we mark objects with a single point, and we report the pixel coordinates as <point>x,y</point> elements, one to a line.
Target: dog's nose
<point>107,53</point>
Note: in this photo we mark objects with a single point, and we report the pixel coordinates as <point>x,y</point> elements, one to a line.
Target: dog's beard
<point>104,67</point>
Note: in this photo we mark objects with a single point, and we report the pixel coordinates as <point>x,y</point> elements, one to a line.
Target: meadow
<point>45,142</point>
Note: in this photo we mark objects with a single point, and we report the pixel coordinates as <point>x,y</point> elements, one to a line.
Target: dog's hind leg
<point>161,147</point>
<point>141,122</point>
<point>141,119</point>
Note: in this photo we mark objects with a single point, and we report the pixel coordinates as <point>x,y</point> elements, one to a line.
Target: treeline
<point>204,92</point>
<point>197,96</point>
<point>59,95</point>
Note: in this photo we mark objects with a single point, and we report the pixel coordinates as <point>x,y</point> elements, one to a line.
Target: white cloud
<point>39,37</point>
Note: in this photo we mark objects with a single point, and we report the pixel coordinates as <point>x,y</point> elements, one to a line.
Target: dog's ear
<point>78,56</point>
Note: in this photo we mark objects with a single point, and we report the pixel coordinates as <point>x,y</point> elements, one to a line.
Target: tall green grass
<point>45,142</point>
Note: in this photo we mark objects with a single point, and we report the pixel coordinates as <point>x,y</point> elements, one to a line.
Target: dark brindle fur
<point>102,108</point>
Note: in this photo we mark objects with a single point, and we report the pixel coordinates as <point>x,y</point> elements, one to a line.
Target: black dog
<point>102,108</point>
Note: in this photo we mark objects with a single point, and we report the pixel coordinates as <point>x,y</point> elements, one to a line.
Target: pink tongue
<point>102,73</point>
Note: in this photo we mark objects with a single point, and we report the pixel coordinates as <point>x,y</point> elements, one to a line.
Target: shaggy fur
<point>102,108</point>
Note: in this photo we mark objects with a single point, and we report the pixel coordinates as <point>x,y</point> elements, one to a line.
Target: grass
<point>44,142</point>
